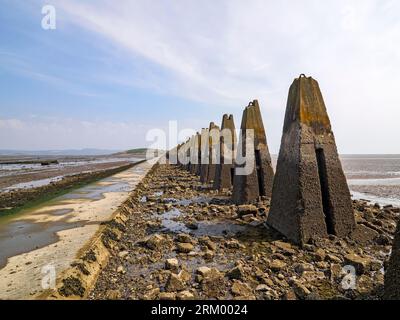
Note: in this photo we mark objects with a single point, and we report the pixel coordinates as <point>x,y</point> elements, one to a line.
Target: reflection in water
<point>24,236</point>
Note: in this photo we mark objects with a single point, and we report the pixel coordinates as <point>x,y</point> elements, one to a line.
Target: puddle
<point>57,212</point>
<point>24,236</point>
<point>170,223</point>
<point>34,184</point>
<point>187,202</point>
<point>95,191</point>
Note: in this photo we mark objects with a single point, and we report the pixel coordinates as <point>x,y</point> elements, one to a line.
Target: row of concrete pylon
<point>309,192</point>
<point>213,156</point>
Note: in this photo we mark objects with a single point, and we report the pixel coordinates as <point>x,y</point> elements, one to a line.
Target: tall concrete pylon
<point>194,153</point>
<point>254,151</point>
<point>225,169</point>
<point>197,168</point>
<point>310,195</point>
<point>392,274</point>
<point>205,154</point>
<point>214,136</point>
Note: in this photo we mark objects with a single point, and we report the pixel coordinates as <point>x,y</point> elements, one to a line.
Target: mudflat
<point>48,237</point>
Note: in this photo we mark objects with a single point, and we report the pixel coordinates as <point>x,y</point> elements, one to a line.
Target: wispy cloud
<point>232,50</point>
<point>225,53</point>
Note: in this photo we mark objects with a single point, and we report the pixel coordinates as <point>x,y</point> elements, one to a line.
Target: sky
<point>112,71</point>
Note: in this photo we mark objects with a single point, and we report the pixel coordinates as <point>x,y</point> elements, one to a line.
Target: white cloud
<point>228,52</point>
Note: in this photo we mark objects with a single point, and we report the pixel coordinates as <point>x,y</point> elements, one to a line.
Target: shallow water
<point>171,221</point>
<point>374,177</point>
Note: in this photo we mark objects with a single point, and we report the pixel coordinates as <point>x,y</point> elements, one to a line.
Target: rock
<point>236,273</point>
<point>277,265</point>
<point>262,287</point>
<point>123,254</point>
<point>311,276</point>
<point>364,235</point>
<point>208,255</point>
<point>365,284</point>
<point>203,271</point>
<point>121,269</point>
<point>152,294</point>
<point>213,285</point>
<point>361,264</point>
<point>233,244</point>
<point>154,242</point>
<point>241,289</point>
<point>184,238</point>
<point>375,265</point>
<point>300,268</point>
<point>167,296</point>
<point>336,271</point>
<point>283,245</point>
<point>383,240</point>
<point>290,295</point>
<point>184,247</point>
<point>247,217</point>
<point>267,281</point>
<point>332,258</point>
<point>319,254</point>
<point>208,243</point>
<point>113,295</point>
<point>184,276</point>
<point>247,209</point>
<point>174,283</point>
<point>301,291</point>
<point>323,265</point>
<point>185,295</point>
<point>172,264</point>
<point>192,225</point>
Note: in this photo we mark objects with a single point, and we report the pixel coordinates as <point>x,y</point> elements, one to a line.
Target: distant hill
<point>139,152</point>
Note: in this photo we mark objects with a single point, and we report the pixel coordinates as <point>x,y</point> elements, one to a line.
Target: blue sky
<point>112,71</point>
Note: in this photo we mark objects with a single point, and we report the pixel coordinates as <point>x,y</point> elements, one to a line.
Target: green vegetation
<point>141,151</point>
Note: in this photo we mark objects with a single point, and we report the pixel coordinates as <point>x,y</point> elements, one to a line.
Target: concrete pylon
<point>176,154</point>
<point>225,169</point>
<point>214,136</point>
<point>310,196</point>
<point>392,274</point>
<point>252,149</point>
<point>197,153</point>
<point>205,155</point>
<point>194,153</point>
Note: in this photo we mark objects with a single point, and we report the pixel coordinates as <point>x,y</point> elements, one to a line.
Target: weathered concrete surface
<point>247,188</point>
<point>310,194</point>
<point>197,169</point>
<point>205,155</point>
<point>224,170</point>
<point>214,135</point>
<point>194,153</point>
<point>392,274</point>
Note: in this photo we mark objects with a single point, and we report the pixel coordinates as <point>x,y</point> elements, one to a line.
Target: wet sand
<point>51,235</point>
<point>26,175</point>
